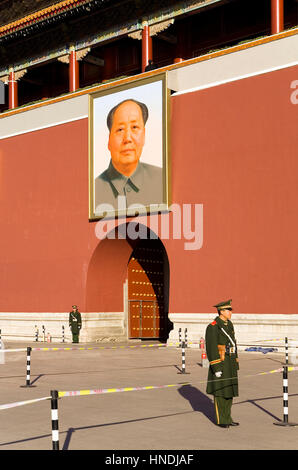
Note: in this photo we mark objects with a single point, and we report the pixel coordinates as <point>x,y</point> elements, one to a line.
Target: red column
<point>73,71</point>
<point>277,16</point>
<point>146,45</point>
<point>12,90</point>
<point>181,42</point>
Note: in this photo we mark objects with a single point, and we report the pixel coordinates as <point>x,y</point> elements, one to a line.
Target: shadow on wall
<point>106,274</point>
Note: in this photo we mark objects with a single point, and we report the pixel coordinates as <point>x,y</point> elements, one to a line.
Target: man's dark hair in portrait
<point>144,109</point>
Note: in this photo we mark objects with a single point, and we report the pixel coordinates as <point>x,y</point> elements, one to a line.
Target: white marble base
<point>96,327</point>
<point>250,329</point>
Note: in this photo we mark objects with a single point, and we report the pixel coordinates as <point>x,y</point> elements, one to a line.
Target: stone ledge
<point>96,326</point>
<point>249,328</point>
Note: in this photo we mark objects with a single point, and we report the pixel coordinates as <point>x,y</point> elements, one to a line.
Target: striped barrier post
<point>28,370</point>
<point>63,334</point>
<point>287,350</point>
<point>43,333</point>
<point>185,337</point>
<point>180,342</point>
<point>285,421</point>
<point>28,366</point>
<point>54,416</point>
<point>183,357</point>
<point>0,335</point>
<point>183,370</point>
<point>36,333</point>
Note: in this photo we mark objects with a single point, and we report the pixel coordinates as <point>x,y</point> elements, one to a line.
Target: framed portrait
<point>129,149</point>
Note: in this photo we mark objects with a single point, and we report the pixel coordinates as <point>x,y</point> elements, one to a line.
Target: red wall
<point>241,142</point>
<point>46,239</point>
<point>234,150</point>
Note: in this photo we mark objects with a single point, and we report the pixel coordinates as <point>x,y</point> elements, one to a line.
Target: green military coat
<point>217,343</point>
<point>75,322</point>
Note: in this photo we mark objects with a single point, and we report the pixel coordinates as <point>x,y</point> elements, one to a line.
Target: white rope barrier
<point>88,349</point>
<point>76,393</point>
<point>21,403</point>
<point>128,389</point>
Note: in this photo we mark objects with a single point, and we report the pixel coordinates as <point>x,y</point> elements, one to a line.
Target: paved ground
<point>164,418</point>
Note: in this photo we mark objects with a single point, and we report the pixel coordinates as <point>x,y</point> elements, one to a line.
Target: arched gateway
<point>127,288</point>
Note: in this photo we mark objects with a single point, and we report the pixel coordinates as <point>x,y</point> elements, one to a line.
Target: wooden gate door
<point>147,316</point>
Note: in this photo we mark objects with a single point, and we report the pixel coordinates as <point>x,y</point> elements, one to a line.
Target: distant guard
<point>75,323</point>
<point>222,354</point>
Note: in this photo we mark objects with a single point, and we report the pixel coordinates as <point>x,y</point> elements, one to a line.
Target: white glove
<point>218,374</point>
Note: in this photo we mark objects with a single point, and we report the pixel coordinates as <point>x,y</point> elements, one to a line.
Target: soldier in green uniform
<point>75,323</point>
<point>222,354</point>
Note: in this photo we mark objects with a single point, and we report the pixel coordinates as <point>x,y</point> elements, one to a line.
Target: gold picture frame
<point>154,93</point>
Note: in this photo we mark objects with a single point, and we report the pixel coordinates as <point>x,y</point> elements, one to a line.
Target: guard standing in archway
<point>75,323</point>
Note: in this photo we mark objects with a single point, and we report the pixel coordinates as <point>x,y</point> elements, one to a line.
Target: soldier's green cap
<point>226,305</point>
<point>74,306</point>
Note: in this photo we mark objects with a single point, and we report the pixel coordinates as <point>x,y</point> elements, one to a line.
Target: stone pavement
<point>170,418</point>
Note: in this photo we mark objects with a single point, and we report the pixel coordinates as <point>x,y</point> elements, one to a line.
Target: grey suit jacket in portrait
<point>144,186</point>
